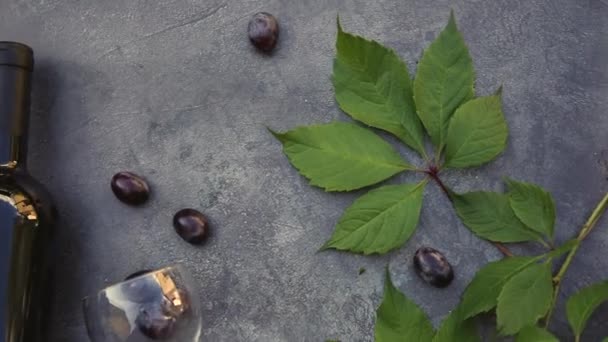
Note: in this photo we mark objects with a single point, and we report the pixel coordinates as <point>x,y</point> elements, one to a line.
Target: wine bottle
<point>26,213</point>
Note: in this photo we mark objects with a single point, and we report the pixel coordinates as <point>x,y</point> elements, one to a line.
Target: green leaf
<point>605,339</point>
<point>481,294</point>
<point>524,299</point>
<point>477,133</point>
<point>456,328</point>
<point>565,248</point>
<point>340,156</point>
<point>582,304</point>
<point>533,206</point>
<point>399,319</point>
<point>373,86</point>
<point>381,220</point>
<point>444,81</point>
<point>489,216</point>
<point>535,334</point>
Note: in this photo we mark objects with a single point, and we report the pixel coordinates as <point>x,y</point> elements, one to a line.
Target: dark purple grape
<point>137,274</point>
<point>263,31</point>
<point>154,323</point>
<point>191,225</point>
<point>433,267</point>
<point>130,188</point>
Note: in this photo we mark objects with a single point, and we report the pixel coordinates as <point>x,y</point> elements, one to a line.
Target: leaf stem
<point>585,230</point>
<point>419,170</point>
<point>502,248</point>
<point>408,167</point>
<point>438,155</point>
<point>425,156</point>
<point>433,173</point>
<point>545,244</point>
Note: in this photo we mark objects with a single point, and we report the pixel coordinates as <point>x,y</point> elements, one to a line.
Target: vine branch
<point>585,230</point>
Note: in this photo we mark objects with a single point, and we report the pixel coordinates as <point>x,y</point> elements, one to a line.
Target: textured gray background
<point>174,91</point>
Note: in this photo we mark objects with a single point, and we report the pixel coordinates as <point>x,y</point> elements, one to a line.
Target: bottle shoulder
<point>29,198</point>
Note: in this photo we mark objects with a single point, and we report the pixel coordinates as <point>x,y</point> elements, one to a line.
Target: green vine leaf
<point>456,328</point>
<point>533,206</point>
<point>373,85</point>
<point>565,248</point>
<point>524,299</point>
<point>489,216</point>
<point>379,221</point>
<point>400,319</point>
<point>477,133</point>
<point>340,156</point>
<point>443,82</point>
<point>482,293</point>
<point>535,334</point>
<point>581,305</point>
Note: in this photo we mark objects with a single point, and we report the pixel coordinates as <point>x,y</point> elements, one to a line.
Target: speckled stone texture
<point>173,90</point>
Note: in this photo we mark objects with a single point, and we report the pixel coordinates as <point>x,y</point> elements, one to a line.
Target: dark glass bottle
<point>26,212</point>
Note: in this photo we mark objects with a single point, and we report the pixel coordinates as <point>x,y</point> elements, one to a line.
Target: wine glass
<point>159,305</point>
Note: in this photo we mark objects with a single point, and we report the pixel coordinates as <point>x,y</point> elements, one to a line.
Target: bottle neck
<point>15,84</point>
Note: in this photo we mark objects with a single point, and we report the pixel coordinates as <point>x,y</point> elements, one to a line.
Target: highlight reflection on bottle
<point>26,212</point>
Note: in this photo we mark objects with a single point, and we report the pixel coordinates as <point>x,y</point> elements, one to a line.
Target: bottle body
<point>26,212</point>
<point>26,221</point>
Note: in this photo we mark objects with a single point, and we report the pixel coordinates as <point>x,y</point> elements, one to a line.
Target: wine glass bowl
<point>159,305</point>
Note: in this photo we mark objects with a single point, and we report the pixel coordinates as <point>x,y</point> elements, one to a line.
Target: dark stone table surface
<point>173,90</point>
